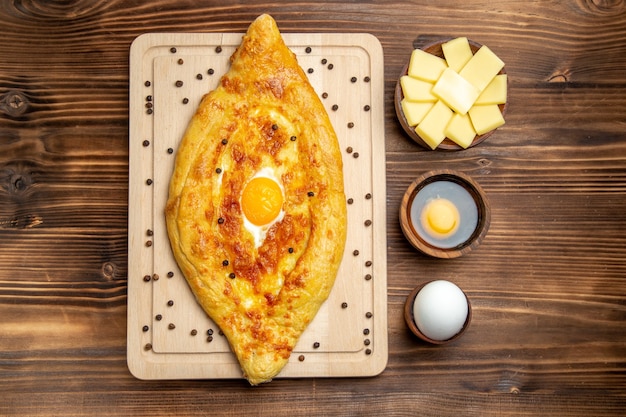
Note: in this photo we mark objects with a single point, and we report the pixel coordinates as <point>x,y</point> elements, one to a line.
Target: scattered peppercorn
<point>180,61</point>
<point>368,263</point>
<point>301,358</point>
<point>149,111</point>
<point>148,98</point>
<point>194,332</point>
<point>330,66</point>
<point>147,83</point>
<point>148,346</point>
<point>350,125</point>
<point>335,107</point>
<point>220,220</point>
<point>173,50</point>
<point>218,49</point>
<point>198,76</point>
<point>210,71</point>
<point>185,100</point>
<point>316,345</point>
<point>324,95</point>
<point>368,223</point>
<point>307,50</point>
<point>231,275</point>
<point>274,126</point>
<point>366,79</point>
<point>171,326</point>
<point>149,181</point>
<point>310,193</point>
<point>355,155</point>
<point>225,262</point>
<point>344,305</point>
<point>349,149</point>
<point>146,278</point>
<point>290,250</point>
<point>368,277</point>
<point>368,196</point>
<point>366,108</point>
<point>170,303</point>
<point>310,70</point>
<point>155,277</point>
<point>293,138</point>
<point>350,200</point>
<point>356,252</point>
<point>209,339</point>
<point>368,351</point>
<point>368,315</point>
<point>209,332</point>
<point>159,317</point>
<point>149,232</point>
<point>179,83</point>
<point>218,170</point>
<point>146,143</point>
<point>324,61</point>
<point>170,150</point>
<point>353,79</point>
<point>224,141</point>
<point>366,331</point>
<point>148,243</point>
<point>145,328</point>
<point>170,274</point>
<point>367,342</point>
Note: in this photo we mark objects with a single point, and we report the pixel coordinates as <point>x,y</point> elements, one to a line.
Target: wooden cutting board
<point>169,335</point>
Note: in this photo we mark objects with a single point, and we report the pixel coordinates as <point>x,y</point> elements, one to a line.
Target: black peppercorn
<point>225,262</point>
<point>220,220</point>
<point>231,275</point>
<point>179,83</point>
<point>145,328</point>
<point>170,274</point>
<point>307,50</point>
<point>344,305</point>
<point>218,49</point>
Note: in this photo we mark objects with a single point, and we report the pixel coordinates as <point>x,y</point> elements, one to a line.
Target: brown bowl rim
<point>447,144</point>
<point>410,319</point>
<point>484,213</point>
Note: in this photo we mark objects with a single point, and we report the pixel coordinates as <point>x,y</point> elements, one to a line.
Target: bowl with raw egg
<point>437,312</point>
<point>444,214</point>
<point>452,94</point>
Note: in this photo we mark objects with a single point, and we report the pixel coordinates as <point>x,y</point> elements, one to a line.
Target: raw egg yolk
<point>440,217</point>
<point>261,200</point>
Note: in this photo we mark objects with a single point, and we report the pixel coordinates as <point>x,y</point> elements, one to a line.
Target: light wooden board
<point>169,336</point>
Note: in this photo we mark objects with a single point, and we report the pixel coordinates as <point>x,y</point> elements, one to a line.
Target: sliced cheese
<point>495,92</point>
<point>425,66</point>
<point>455,91</point>
<point>485,118</point>
<point>457,53</point>
<point>481,69</point>
<point>460,130</point>
<point>415,111</point>
<point>416,90</point>
<point>431,128</point>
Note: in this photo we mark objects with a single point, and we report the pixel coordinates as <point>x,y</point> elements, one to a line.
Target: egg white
<point>260,232</point>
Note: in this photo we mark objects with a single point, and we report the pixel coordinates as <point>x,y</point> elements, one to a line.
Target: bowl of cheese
<point>452,94</point>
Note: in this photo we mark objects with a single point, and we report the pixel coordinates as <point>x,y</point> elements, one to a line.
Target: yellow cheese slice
<point>485,118</point>
<point>431,128</point>
<point>457,53</point>
<point>416,90</point>
<point>460,130</point>
<point>481,69</point>
<point>415,111</point>
<point>455,91</point>
<point>425,66</point>
<point>495,92</point>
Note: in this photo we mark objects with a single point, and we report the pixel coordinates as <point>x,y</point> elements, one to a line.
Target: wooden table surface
<point>547,285</point>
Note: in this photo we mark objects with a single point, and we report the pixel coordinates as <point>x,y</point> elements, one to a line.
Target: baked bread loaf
<point>256,213</point>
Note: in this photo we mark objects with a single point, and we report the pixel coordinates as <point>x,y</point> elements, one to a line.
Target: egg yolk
<point>261,200</point>
<point>440,217</point>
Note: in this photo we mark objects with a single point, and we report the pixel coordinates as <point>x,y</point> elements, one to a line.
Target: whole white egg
<point>440,310</point>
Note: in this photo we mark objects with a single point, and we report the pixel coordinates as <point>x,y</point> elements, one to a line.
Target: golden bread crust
<point>264,114</point>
